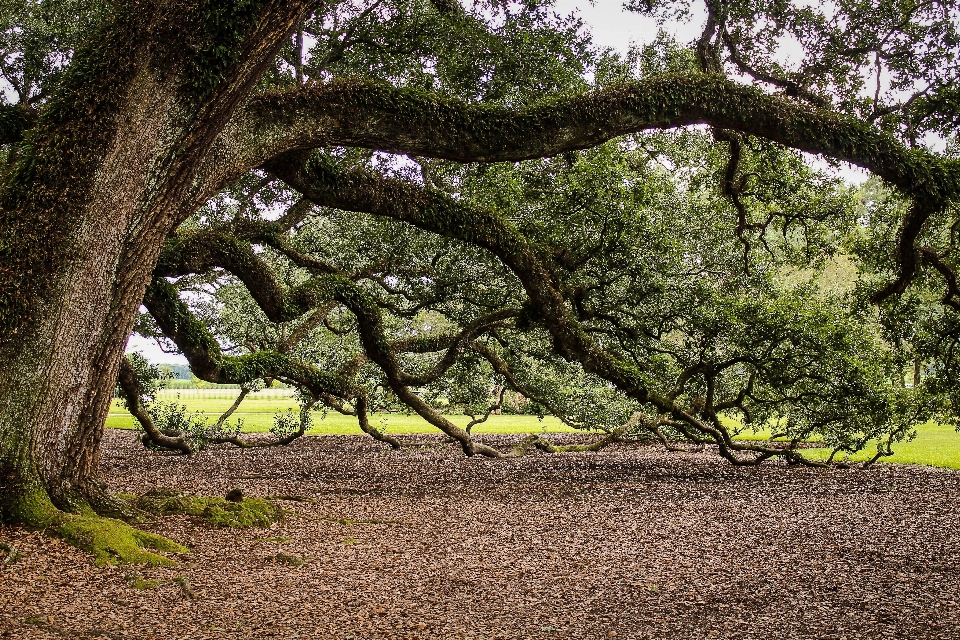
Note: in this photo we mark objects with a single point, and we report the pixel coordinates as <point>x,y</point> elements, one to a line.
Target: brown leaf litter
<point>632,542</point>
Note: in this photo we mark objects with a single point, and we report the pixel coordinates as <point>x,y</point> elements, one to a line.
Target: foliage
<point>701,260</point>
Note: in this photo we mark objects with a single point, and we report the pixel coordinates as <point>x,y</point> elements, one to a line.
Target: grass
<point>935,445</point>
<point>258,409</point>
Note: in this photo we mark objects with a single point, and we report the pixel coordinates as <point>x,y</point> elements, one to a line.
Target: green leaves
<point>217,29</point>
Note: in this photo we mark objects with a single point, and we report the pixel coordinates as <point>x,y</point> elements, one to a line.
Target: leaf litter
<point>631,542</point>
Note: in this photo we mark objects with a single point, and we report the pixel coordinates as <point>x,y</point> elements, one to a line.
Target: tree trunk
<point>56,386</point>
<point>109,170</point>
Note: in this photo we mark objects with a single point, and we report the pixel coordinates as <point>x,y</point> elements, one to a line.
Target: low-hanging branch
<point>209,363</point>
<point>132,394</point>
<point>437,212</point>
<point>201,252</point>
<point>280,441</point>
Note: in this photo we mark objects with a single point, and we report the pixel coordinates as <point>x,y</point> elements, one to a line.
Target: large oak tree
<point>127,125</point>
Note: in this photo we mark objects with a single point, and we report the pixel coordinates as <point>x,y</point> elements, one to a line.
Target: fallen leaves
<point>631,542</point>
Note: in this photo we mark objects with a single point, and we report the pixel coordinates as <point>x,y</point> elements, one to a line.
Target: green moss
<point>137,581</point>
<point>31,507</point>
<point>289,560</point>
<point>252,512</point>
<point>42,194</point>
<point>218,512</point>
<point>115,542</point>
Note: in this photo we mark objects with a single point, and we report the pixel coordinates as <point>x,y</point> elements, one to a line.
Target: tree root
<point>215,511</point>
<point>12,553</point>
<point>113,541</point>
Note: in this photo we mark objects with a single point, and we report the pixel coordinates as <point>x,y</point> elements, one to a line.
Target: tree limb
<point>368,115</point>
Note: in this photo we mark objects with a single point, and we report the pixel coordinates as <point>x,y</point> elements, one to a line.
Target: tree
<point>148,144</point>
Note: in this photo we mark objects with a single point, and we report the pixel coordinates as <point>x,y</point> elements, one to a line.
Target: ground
<point>633,542</point>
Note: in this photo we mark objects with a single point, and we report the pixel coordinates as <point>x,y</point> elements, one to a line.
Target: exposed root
<point>12,553</point>
<point>113,541</point>
<point>215,511</point>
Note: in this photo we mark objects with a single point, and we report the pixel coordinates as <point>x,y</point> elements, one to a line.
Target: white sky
<point>614,27</point>
<point>610,26</point>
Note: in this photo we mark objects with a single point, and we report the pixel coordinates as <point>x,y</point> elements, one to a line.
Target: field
<point>935,445</point>
<point>258,409</point>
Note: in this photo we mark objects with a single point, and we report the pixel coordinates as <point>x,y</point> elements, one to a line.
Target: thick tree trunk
<point>110,170</point>
<point>55,389</point>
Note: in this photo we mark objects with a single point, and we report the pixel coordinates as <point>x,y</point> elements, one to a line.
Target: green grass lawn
<point>257,413</point>
<point>935,445</point>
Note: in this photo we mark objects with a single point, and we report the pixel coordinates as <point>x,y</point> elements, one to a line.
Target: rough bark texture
<point>90,207</point>
<point>59,382</point>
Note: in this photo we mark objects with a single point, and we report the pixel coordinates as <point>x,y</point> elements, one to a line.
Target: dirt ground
<point>632,542</point>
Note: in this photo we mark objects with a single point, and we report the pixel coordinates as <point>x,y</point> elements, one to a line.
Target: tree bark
<point>57,379</point>
<point>84,213</point>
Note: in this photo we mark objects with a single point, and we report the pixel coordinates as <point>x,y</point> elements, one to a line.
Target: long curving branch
<point>435,211</point>
<point>366,114</point>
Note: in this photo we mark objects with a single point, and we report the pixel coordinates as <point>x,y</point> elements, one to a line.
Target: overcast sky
<point>614,27</point>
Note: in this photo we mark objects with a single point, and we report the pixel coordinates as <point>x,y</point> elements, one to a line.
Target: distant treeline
<point>177,371</point>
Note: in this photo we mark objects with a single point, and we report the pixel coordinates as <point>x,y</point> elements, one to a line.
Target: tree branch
<point>407,121</point>
<point>127,379</point>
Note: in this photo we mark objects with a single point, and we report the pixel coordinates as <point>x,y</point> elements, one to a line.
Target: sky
<point>611,26</point>
<point>614,27</point>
